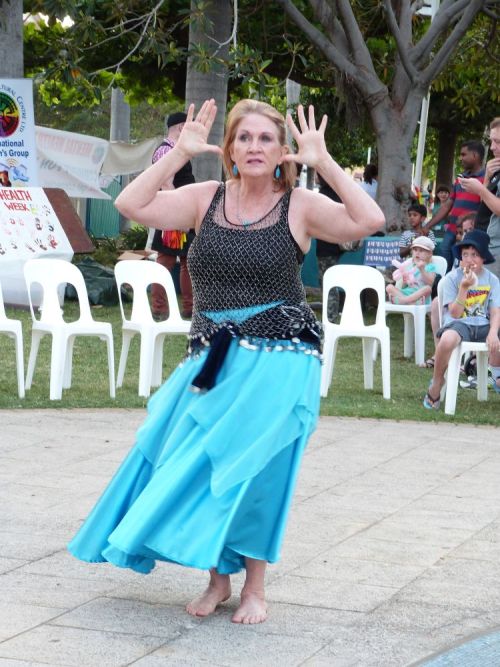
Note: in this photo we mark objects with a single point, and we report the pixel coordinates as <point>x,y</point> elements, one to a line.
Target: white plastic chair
<point>140,274</point>
<point>450,388</point>
<point>13,329</point>
<point>415,316</point>
<point>353,280</point>
<point>50,274</point>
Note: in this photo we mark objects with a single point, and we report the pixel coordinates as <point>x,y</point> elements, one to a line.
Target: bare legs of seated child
<point>399,297</point>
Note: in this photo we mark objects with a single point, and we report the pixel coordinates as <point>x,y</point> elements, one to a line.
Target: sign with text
<point>71,161</point>
<point>18,162</point>
<point>28,228</point>
<point>380,251</point>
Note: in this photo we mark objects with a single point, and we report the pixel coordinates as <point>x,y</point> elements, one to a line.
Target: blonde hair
<point>238,112</point>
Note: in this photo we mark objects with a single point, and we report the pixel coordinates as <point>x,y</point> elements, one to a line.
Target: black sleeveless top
<point>247,278</point>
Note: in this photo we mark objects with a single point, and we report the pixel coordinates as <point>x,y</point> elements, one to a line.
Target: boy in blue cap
<point>471,310</point>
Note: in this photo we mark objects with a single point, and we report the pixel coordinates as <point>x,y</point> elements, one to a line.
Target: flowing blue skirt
<point>211,476</point>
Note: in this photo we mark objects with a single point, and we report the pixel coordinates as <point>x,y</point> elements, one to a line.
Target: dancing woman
<point>210,479</point>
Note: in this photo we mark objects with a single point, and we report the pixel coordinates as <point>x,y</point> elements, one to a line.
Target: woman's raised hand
<point>193,138</point>
<point>311,147</point>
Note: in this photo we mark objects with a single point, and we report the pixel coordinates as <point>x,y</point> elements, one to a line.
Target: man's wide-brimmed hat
<point>478,240</point>
<point>423,242</point>
<point>176,118</point>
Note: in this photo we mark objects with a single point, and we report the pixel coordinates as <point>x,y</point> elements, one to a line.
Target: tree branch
<point>448,13</point>
<point>360,51</point>
<point>318,39</point>
<point>403,48</point>
<point>330,23</point>
<point>447,49</point>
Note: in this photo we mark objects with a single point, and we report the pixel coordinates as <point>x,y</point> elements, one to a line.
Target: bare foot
<point>207,602</point>
<point>252,609</point>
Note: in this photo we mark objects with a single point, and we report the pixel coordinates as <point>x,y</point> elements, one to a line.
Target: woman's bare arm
<point>315,215</point>
<point>144,201</point>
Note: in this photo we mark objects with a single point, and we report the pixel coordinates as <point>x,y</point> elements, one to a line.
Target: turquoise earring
<point>277,172</point>
<point>235,170</point>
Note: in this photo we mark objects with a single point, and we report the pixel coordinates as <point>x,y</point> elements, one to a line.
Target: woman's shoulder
<point>304,196</point>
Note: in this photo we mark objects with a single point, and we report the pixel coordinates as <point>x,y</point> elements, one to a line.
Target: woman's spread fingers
<point>324,121</point>
<point>312,119</point>
<point>212,114</point>
<point>292,127</point>
<point>302,118</point>
<point>190,113</point>
<point>204,112</point>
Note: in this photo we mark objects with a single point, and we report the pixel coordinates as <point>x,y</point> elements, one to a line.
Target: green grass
<point>347,397</point>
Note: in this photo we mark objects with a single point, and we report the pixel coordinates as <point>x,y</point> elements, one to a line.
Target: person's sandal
<point>428,363</point>
<point>430,403</point>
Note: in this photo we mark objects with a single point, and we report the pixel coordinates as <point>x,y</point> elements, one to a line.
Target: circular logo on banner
<point>9,115</point>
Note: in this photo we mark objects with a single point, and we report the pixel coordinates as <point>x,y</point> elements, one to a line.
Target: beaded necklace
<point>245,222</point>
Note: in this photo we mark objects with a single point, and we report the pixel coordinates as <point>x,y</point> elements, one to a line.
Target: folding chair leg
<point>419,327</point>
<point>157,371</point>
<point>68,363</point>
<point>111,364</point>
<point>330,350</point>
<point>482,376</point>
<point>146,365</point>
<point>385,359</point>
<point>57,360</point>
<point>36,337</point>
<point>452,381</point>
<point>19,365</point>
<point>408,335</point>
<point>368,362</point>
<point>126,338</point>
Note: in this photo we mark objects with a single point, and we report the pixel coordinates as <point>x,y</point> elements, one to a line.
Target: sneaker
<point>470,383</point>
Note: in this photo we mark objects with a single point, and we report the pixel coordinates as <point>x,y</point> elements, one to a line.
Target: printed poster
<point>18,160</point>
<point>380,251</point>
<point>29,228</point>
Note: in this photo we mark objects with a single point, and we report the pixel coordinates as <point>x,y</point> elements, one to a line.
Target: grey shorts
<point>469,333</point>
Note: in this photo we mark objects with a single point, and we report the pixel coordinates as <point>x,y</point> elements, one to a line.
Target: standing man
<point>490,194</point>
<point>171,245</point>
<point>460,201</point>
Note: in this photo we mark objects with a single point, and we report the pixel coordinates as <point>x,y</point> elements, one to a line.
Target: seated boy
<point>414,278</point>
<point>417,214</point>
<point>465,224</point>
<point>471,310</point>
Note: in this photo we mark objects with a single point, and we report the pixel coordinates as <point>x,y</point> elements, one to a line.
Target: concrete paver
<point>392,552</point>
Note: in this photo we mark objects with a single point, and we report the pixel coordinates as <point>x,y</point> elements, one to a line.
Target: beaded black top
<point>246,277</point>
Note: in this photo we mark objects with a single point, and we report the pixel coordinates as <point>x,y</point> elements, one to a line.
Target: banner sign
<point>70,161</point>
<point>380,251</point>
<point>18,163</point>
<point>28,228</point>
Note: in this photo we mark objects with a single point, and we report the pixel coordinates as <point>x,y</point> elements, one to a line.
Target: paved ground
<point>392,553</point>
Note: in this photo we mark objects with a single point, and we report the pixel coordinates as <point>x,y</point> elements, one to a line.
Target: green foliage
<point>472,81</point>
<point>135,238</point>
<point>108,249</point>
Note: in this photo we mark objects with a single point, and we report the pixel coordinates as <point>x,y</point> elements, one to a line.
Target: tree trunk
<point>447,139</point>
<point>11,40</point>
<point>395,129</point>
<point>201,86</point>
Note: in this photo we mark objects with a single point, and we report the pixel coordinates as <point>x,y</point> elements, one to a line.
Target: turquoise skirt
<point>211,476</point>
